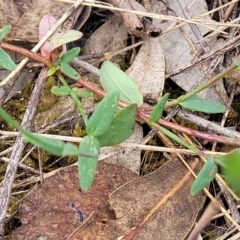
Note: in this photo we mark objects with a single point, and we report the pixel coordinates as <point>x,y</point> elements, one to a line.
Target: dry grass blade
<point>196,20</point>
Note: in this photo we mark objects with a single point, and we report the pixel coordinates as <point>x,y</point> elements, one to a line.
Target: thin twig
<point>17,150</point>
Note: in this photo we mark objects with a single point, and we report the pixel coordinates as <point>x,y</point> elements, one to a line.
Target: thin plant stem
<point>74,97</point>
<point>201,87</point>
<point>175,137</point>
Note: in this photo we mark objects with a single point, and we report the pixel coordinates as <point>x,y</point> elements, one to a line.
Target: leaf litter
<point>151,84</point>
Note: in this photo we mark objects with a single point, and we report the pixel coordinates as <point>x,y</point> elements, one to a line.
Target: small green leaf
<point>6,61</point>
<point>113,78</point>
<point>61,91</point>
<point>54,146</point>
<point>51,71</point>
<point>121,127</point>
<point>158,109</point>
<point>84,93</point>
<point>232,169</point>
<point>69,71</point>
<point>6,117</point>
<point>237,62</point>
<point>70,55</point>
<point>102,117</point>
<point>205,176</point>
<point>4,31</point>
<point>87,165</point>
<point>202,105</point>
<point>61,37</point>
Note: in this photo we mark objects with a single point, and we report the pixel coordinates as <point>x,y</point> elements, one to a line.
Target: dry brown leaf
<point>52,210</point>
<point>25,15</point>
<point>156,206</point>
<point>178,47</point>
<point>148,69</point>
<point>137,25</point>
<point>110,37</point>
<point>8,13</point>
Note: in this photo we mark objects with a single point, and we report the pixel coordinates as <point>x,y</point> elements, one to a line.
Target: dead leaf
<point>156,206</point>
<point>108,39</point>
<point>25,15</point>
<point>178,47</point>
<point>8,13</point>
<point>137,25</point>
<point>148,69</point>
<point>52,210</point>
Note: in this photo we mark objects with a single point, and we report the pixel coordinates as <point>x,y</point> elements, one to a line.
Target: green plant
<point>110,125</point>
<point>5,59</point>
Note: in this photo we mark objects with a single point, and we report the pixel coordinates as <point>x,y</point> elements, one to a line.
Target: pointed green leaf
<point>54,146</point>
<point>202,105</point>
<point>69,71</point>
<point>232,169</point>
<point>6,61</point>
<point>51,71</point>
<point>113,78</point>
<point>102,117</point>
<point>4,31</point>
<point>121,127</point>
<point>6,117</point>
<point>84,93</point>
<point>158,109</point>
<point>70,55</point>
<point>205,176</point>
<point>87,165</point>
<point>61,91</point>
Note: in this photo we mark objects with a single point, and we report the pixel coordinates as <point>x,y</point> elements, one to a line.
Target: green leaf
<point>205,176</point>
<point>4,31</point>
<point>70,55</point>
<point>69,71</point>
<point>231,169</point>
<point>61,37</point>
<point>65,91</point>
<point>237,62</point>
<point>61,91</point>
<point>113,78</point>
<point>51,71</point>
<point>5,116</point>
<point>158,109</point>
<point>54,146</point>
<point>102,117</point>
<point>202,105</point>
<point>121,127</point>
<point>84,93</point>
<point>87,165</point>
<point>6,61</point>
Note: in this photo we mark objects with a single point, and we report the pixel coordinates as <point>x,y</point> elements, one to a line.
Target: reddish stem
<point>170,125</point>
<point>24,52</point>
